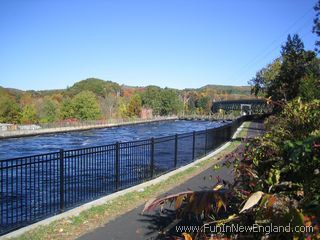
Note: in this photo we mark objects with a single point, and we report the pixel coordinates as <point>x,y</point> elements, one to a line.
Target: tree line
<point>94,99</point>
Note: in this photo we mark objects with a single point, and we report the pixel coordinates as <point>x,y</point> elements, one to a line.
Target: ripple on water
<point>18,147</point>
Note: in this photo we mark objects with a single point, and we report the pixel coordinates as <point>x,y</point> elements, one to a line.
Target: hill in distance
<point>242,90</point>
<point>102,87</point>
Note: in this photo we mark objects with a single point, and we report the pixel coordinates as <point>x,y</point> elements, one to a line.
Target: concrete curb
<point>76,211</point>
<point>28,133</point>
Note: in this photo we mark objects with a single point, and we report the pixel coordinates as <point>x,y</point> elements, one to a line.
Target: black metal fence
<point>35,187</point>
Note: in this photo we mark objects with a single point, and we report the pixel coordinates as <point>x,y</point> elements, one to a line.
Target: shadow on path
<point>149,226</point>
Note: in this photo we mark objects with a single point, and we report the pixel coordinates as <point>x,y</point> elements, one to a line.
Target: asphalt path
<point>133,225</point>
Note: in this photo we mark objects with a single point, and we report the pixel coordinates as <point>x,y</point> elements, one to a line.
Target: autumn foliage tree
<point>109,100</point>
<point>134,106</point>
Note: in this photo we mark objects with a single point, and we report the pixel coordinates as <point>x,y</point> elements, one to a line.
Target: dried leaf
<point>217,187</point>
<point>226,220</point>
<point>196,202</point>
<point>272,199</point>
<point>186,236</point>
<point>179,201</point>
<point>219,204</point>
<point>252,200</point>
<point>153,203</point>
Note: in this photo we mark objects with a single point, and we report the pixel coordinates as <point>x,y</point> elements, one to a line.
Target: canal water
<point>25,146</point>
<point>92,165</point>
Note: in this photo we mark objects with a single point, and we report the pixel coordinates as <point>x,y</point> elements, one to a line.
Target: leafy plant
<point>277,181</point>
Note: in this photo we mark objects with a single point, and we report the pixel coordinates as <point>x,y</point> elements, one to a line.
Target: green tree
<point>97,86</point>
<point>151,98</point>
<point>295,74</point>
<point>85,106</point>
<point>316,22</point>
<point>161,101</point>
<point>204,104</point>
<point>9,110</point>
<point>265,77</point>
<point>192,104</point>
<point>122,110</point>
<point>50,110</point>
<point>67,110</point>
<point>286,85</point>
<point>28,115</point>
<point>170,102</point>
<point>309,88</point>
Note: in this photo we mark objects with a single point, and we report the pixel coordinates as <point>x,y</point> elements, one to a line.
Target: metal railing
<point>35,187</point>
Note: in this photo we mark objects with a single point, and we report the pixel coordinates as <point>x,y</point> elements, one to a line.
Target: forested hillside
<point>94,98</point>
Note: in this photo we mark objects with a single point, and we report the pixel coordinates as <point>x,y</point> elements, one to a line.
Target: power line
<point>267,51</point>
<point>276,48</point>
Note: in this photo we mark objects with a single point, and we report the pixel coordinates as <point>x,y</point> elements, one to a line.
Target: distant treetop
<point>95,85</point>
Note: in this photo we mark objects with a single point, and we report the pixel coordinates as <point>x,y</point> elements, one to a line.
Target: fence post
<point>2,190</point>
<point>61,180</point>
<point>152,158</point>
<point>193,144</point>
<point>117,165</point>
<point>206,142</point>
<point>175,150</point>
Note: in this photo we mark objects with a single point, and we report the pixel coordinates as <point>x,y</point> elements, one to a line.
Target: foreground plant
<point>276,190</point>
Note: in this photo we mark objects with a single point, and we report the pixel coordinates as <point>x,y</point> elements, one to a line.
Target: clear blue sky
<point>50,44</point>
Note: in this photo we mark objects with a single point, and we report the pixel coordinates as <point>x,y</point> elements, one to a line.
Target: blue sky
<point>51,44</point>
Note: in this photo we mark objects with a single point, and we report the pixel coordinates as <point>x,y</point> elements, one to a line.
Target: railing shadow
<point>157,223</point>
<point>161,226</point>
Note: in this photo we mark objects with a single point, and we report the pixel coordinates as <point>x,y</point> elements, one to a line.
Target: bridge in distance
<point>247,106</point>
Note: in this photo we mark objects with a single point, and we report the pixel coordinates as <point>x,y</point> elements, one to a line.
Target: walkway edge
<point>103,200</point>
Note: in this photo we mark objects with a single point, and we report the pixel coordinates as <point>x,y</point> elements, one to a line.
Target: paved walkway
<point>133,225</point>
